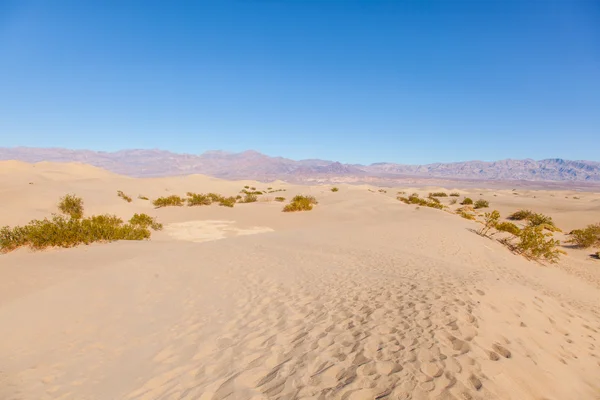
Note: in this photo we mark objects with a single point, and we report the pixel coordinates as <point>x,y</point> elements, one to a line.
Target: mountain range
<point>254,165</point>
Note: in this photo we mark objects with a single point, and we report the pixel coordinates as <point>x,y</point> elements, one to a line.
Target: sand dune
<point>364,297</point>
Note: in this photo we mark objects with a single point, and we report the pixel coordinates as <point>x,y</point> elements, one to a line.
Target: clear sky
<point>411,81</point>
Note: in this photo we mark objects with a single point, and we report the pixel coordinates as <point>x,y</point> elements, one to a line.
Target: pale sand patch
<point>208,230</point>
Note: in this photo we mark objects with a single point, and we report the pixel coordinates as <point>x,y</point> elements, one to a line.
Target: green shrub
<point>334,189</point>
<point>144,220</point>
<point>490,222</point>
<point>520,215</point>
<point>535,244</point>
<point>170,201</point>
<point>198,199</point>
<point>438,194</point>
<point>249,198</point>
<point>227,201</point>
<point>143,197</point>
<point>300,203</point>
<point>508,227</point>
<point>124,196</point>
<point>588,237</point>
<point>433,199</point>
<point>467,201</point>
<point>543,221</point>
<point>280,199</point>
<point>455,194</point>
<point>482,204</point>
<point>60,231</point>
<point>466,215</point>
<point>71,205</point>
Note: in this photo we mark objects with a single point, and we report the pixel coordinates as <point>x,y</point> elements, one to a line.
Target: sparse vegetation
<point>169,201</point>
<point>453,202</point>
<point>587,237</point>
<point>454,194</point>
<point>280,199</point>
<point>144,220</point>
<point>249,198</point>
<point>438,194</point>
<point>531,242</point>
<point>143,197</point>
<point>63,231</point>
<point>467,201</point>
<point>481,204</point>
<point>124,196</point>
<point>508,227</point>
<point>227,201</point>
<point>543,221</point>
<point>382,191</point>
<point>520,215</point>
<point>415,199</point>
<point>334,189</point>
<point>534,244</point>
<point>71,205</point>
<point>491,221</point>
<point>300,203</point>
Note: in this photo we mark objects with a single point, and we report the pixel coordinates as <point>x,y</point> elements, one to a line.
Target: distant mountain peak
<point>251,164</point>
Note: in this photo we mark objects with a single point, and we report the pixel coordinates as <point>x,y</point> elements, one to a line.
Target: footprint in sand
<point>209,230</point>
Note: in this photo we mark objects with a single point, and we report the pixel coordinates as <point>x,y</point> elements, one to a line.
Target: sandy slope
<point>362,298</point>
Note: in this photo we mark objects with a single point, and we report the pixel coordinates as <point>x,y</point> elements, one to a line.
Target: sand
<point>364,297</point>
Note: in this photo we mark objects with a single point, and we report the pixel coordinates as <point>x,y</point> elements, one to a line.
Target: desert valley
<point>372,292</point>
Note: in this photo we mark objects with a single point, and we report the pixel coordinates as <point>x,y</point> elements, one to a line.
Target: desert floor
<point>363,297</point>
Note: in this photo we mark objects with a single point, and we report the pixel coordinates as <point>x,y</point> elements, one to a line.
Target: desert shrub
<point>455,194</point>
<point>249,198</point>
<point>280,199</point>
<point>71,205</point>
<point>520,215</point>
<point>170,201</point>
<point>467,201</point>
<point>124,196</point>
<point>246,187</point>
<point>482,204</point>
<point>60,231</point>
<point>253,188</point>
<point>334,189</point>
<point>300,203</point>
<point>597,255</point>
<point>143,197</point>
<point>438,194</point>
<point>466,215</point>
<point>453,201</point>
<point>382,191</point>
<point>508,227</point>
<point>433,204</point>
<point>198,199</point>
<point>588,237</point>
<point>227,201</point>
<point>144,220</point>
<point>490,222</point>
<point>269,188</point>
<point>415,199</point>
<point>534,244</point>
<point>543,221</point>
<point>215,197</point>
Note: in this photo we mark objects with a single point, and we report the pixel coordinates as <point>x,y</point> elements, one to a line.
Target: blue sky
<point>411,81</point>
